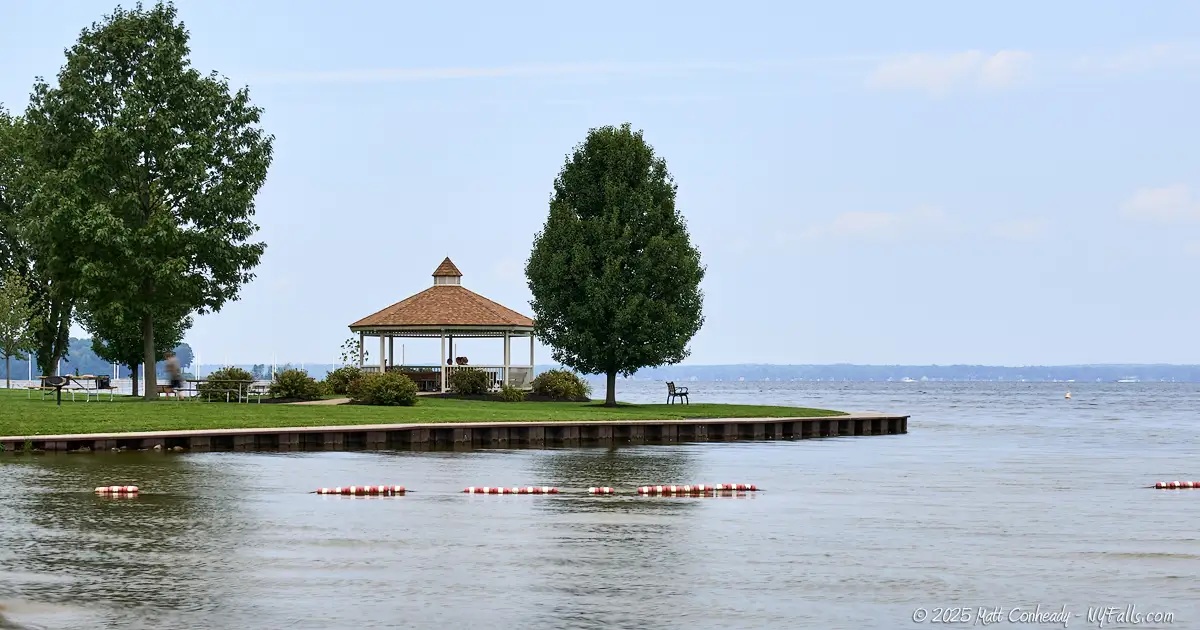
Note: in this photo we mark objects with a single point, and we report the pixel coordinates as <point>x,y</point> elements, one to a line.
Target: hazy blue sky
<point>885,182</point>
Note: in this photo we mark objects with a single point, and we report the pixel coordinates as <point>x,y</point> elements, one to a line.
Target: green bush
<point>511,394</point>
<point>470,382</point>
<point>217,383</point>
<point>295,384</point>
<point>340,379</point>
<point>561,384</point>
<point>388,388</point>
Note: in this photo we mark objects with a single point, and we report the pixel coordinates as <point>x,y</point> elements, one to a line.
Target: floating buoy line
<point>525,490</point>
<point>1177,485</point>
<point>392,491</point>
<point>117,490</point>
<point>386,491</point>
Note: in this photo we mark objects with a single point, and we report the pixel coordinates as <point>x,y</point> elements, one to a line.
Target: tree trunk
<point>610,397</point>
<point>53,338</point>
<point>134,377</point>
<point>151,384</point>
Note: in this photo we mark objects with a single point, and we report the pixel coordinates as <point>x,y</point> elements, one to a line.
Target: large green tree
<point>16,320</point>
<point>117,337</point>
<point>614,276</point>
<point>163,167</point>
<point>36,234</point>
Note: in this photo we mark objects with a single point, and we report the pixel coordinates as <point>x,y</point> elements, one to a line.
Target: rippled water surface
<point>1001,495</point>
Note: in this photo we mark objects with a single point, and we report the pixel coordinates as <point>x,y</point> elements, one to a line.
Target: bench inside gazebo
<point>447,311</point>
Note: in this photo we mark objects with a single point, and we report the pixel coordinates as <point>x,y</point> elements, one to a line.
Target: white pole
<point>29,359</point>
<point>507,356</point>
<point>442,367</point>
<point>402,355</point>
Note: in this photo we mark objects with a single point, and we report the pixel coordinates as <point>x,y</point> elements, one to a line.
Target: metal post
<point>507,355</point>
<point>392,350</point>
<point>361,347</point>
<point>382,355</point>
<point>442,368</point>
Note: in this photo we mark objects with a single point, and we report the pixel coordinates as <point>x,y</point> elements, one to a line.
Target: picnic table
<point>87,384</point>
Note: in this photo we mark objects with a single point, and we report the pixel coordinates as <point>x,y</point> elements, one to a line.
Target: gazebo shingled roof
<point>444,305</point>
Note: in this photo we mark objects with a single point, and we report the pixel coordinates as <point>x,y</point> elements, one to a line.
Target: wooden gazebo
<point>445,311</point>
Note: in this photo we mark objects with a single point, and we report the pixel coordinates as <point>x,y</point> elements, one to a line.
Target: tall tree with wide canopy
<point>160,182</point>
<point>614,276</point>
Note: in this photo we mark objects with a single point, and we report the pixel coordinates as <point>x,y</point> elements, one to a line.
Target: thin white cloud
<point>1169,204</point>
<point>934,73</point>
<point>938,74</point>
<point>1024,230</point>
<point>922,222</point>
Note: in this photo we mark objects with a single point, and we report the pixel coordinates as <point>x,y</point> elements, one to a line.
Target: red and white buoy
<point>698,489</point>
<point>386,491</point>
<point>602,490</point>
<point>117,490</point>
<point>517,490</point>
<point>1177,485</point>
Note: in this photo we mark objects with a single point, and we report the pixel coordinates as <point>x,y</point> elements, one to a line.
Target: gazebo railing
<point>519,376</point>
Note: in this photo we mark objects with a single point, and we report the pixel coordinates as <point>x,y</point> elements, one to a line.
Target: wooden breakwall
<point>469,435</point>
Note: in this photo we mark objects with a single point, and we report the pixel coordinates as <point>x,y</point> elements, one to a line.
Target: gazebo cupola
<point>444,311</point>
<point>447,273</point>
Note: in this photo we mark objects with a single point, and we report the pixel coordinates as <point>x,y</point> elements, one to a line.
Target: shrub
<point>388,388</point>
<point>561,384</point>
<point>470,382</point>
<point>340,379</point>
<point>295,384</point>
<point>511,394</point>
<point>215,388</point>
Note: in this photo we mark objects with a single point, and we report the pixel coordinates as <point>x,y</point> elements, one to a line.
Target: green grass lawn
<point>20,416</point>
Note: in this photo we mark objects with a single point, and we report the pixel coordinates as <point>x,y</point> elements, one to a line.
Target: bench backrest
<point>670,387</point>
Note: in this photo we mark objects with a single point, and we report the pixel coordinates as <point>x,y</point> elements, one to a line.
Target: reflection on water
<point>999,497</point>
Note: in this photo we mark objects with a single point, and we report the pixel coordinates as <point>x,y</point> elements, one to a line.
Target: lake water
<point>1001,495</point>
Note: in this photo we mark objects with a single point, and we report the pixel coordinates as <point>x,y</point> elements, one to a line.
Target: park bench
<point>674,392</point>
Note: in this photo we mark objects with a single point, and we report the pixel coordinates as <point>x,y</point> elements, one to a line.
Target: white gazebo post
<point>530,356</point>
<point>507,356</point>
<point>391,350</point>
<point>442,369</point>
<point>360,350</point>
<point>382,356</point>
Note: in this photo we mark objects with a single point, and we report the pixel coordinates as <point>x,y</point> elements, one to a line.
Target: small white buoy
<point>1068,396</point>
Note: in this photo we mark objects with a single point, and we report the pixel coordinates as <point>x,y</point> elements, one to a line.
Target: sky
<point>941,182</point>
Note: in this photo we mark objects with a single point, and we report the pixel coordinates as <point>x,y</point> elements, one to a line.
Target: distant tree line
<point>1079,373</point>
<point>82,359</point>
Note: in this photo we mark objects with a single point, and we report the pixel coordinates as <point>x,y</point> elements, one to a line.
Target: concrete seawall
<point>467,435</point>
